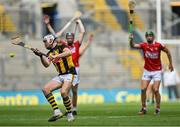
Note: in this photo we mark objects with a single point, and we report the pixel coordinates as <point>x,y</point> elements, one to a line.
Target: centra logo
<point>19,100</point>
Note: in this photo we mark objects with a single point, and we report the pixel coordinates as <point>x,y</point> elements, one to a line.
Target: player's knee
<point>46,90</point>
<point>143,91</point>
<point>64,93</point>
<point>156,91</point>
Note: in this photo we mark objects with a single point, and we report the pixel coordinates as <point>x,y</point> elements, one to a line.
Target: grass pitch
<point>92,115</point>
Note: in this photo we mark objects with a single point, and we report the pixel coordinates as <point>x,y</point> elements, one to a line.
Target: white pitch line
<point>77,117</point>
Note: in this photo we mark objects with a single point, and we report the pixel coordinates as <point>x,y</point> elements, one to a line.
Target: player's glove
<point>37,52</point>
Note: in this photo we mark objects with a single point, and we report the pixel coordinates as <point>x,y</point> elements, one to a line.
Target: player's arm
<point>166,50</point>
<point>132,44</point>
<point>86,45</point>
<point>81,30</point>
<point>66,52</point>
<point>47,22</point>
<point>58,34</point>
<point>44,60</point>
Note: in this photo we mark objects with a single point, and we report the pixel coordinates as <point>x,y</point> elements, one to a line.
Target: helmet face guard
<point>70,38</point>
<point>69,35</point>
<point>48,41</point>
<point>149,36</point>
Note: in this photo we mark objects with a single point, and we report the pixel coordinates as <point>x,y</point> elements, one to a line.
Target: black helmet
<point>69,34</point>
<point>149,33</point>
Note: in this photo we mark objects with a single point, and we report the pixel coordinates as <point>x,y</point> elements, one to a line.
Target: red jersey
<point>75,51</point>
<point>152,55</point>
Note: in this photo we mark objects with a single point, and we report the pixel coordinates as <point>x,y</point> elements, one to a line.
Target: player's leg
<point>74,99</point>
<point>169,92</point>
<point>146,78</point>
<point>157,95</point>
<point>157,76</point>
<point>176,91</point>
<point>152,95</point>
<point>75,83</point>
<point>74,95</point>
<point>65,95</point>
<point>148,93</point>
<point>144,85</point>
<point>47,90</point>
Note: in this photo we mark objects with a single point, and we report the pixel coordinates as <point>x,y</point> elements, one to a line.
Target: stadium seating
<point>102,13</point>
<point>132,60</point>
<point>6,23</point>
<point>113,13</point>
<point>137,20</point>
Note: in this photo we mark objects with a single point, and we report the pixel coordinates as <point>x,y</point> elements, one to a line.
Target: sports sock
<point>51,100</point>
<point>67,104</point>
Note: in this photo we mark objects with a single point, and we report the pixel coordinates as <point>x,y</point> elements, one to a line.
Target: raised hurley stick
<point>132,4</point>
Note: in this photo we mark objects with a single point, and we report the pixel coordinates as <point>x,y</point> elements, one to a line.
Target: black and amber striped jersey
<point>64,65</point>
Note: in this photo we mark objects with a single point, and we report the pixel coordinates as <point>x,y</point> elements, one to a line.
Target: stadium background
<point>110,70</point>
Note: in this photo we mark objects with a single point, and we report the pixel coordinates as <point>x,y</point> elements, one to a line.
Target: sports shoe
<point>157,112</point>
<point>55,117</point>
<point>142,111</point>
<point>70,117</point>
<point>74,113</point>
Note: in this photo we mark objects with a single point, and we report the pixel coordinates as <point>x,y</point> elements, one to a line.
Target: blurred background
<point>108,68</point>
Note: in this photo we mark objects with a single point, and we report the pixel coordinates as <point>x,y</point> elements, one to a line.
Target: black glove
<point>37,52</point>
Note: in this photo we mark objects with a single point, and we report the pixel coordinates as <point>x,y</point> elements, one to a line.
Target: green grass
<point>92,115</point>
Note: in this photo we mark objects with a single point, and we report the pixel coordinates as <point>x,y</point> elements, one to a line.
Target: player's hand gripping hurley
<point>17,41</point>
<point>76,16</point>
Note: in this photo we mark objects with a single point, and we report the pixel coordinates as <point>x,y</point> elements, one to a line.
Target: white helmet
<point>49,38</point>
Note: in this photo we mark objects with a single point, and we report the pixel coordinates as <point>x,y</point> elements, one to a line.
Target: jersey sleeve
<point>63,42</point>
<point>77,43</point>
<point>162,46</point>
<point>141,44</point>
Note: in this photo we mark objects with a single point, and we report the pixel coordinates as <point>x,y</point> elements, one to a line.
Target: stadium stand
<point>137,20</point>
<point>108,63</point>
<point>6,23</point>
<point>132,60</point>
<point>102,13</point>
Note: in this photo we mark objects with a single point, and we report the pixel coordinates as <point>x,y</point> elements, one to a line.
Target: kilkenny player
<point>61,57</point>
<point>74,46</point>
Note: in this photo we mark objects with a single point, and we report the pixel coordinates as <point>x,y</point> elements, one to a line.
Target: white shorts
<point>76,80</point>
<point>152,75</point>
<point>62,78</point>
